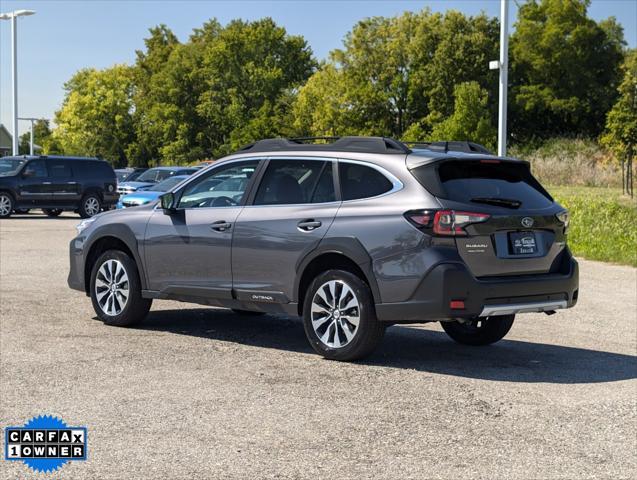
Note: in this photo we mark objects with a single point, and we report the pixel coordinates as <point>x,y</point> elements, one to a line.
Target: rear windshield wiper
<point>500,202</point>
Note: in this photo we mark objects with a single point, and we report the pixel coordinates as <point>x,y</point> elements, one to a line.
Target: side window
<point>224,186</point>
<point>163,175</point>
<point>60,169</point>
<point>295,182</point>
<point>359,181</point>
<point>38,168</point>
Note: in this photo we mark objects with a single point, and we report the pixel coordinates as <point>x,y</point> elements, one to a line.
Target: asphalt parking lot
<point>199,392</point>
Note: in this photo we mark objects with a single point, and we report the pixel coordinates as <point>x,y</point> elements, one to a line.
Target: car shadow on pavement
<point>407,347</point>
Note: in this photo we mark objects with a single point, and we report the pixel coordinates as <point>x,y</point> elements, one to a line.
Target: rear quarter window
<point>359,181</point>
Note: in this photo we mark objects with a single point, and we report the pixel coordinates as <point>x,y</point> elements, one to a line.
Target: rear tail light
<point>564,218</point>
<point>456,305</point>
<point>451,222</point>
<point>445,222</point>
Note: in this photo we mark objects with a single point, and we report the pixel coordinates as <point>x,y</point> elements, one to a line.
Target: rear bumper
<point>493,296</point>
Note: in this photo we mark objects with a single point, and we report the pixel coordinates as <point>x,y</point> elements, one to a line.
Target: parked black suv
<point>55,184</point>
<point>352,235</point>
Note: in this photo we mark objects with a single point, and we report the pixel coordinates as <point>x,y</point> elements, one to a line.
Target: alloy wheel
<point>5,205</point>
<point>91,206</point>
<point>335,314</point>
<point>111,287</point>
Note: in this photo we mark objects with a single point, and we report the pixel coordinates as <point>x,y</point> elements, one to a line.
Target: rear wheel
<point>339,317</point>
<point>52,212</point>
<point>90,206</point>
<point>116,290</point>
<point>6,205</point>
<point>479,331</point>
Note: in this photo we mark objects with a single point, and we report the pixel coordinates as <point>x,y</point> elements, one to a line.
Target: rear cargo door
<point>522,234</point>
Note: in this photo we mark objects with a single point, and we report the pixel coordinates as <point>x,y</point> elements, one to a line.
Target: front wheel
<point>479,331</point>
<point>339,317</point>
<point>116,291</point>
<point>6,205</point>
<point>90,206</point>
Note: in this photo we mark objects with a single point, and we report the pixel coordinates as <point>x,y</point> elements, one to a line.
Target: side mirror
<point>167,201</point>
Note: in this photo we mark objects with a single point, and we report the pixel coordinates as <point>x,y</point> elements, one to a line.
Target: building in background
<point>5,141</point>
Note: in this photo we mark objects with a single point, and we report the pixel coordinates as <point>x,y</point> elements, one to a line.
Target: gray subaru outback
<point>353,234</point>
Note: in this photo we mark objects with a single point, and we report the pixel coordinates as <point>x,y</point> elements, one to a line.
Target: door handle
<point>46,183</point>
<point>308,225</point>
<point>71,183</point>
<point>221,226</point>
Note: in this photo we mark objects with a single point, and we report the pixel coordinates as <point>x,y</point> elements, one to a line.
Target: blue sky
<point>65,36</point>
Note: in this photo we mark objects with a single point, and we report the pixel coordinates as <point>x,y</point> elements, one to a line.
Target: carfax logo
<point>45,443</point>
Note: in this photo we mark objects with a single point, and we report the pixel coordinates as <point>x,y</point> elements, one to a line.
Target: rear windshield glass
<point>503,184</point>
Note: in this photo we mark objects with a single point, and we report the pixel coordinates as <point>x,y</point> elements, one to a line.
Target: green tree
<point>564,69</point>
<point>96,114</point>
<point>155,111</point>
<point>246,68</point>
<point>621,123</point>
<point>396,75</point>
<point>470,120</point>
<point>225,87</point>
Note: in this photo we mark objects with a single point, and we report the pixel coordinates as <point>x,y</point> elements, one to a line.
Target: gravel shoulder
<point>199,392</point>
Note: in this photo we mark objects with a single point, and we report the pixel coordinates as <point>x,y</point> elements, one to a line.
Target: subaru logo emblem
<point>527,222</point>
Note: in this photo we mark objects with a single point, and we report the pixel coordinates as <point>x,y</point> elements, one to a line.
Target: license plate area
<point>522,243</point>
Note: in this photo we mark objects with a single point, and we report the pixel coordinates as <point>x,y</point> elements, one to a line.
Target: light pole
<point>13,16</point>
<point>32,120</point>
<point>503,66</point>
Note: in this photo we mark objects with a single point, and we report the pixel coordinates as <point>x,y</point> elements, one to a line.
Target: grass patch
<point>570,161</point>
<point>603,223</point>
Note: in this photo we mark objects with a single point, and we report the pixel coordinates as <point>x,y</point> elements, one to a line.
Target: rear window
<point>504,184</point>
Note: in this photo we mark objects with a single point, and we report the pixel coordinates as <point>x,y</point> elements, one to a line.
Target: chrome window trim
<point>397,185</point>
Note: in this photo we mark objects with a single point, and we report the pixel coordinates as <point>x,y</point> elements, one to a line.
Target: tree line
<point>417,76</point>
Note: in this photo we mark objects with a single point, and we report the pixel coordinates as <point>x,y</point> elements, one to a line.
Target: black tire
<point>251,313</point>
<point>481,331</point>
<point>6,204</point>
<point>366,336</point>
<point>22,211</point>
<point>135,308</point>
<point>52,212</point>
<point>90,205</point>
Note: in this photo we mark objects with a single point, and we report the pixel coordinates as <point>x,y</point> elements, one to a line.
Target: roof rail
<point>452,146</point>
<point>336,144</point>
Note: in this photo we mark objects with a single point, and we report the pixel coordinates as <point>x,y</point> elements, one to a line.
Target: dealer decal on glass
<point>45,443</point>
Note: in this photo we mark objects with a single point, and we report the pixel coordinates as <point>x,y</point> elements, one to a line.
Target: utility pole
<point>503,66</point>
<point>13,16</point>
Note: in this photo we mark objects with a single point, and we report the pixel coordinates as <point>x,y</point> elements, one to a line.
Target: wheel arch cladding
<point>112,241</point>
<point>342,254</point>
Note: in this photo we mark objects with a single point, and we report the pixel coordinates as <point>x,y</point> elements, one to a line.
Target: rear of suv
<point>56,184</point>
<point>352,235</point>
